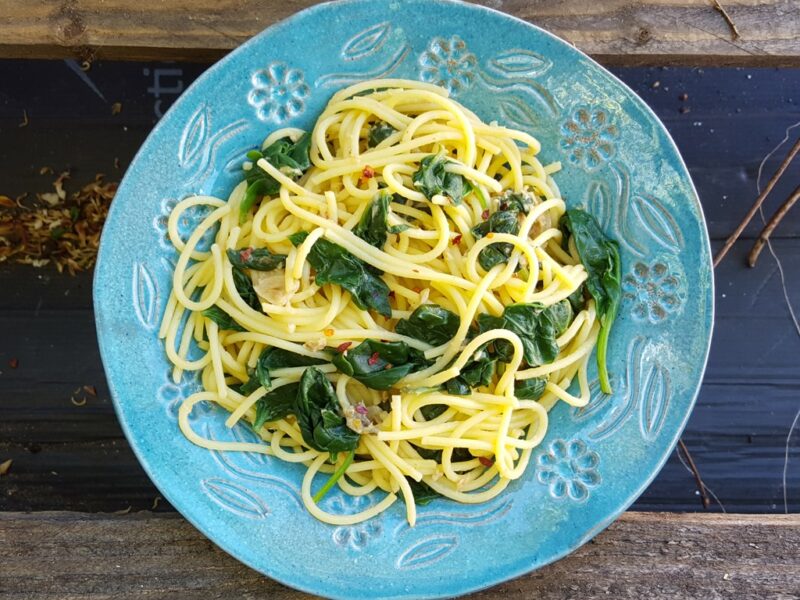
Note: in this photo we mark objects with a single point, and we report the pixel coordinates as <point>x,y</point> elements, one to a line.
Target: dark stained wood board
<point>615,32</point>
<point>656,556</point>
<point>75,458</point>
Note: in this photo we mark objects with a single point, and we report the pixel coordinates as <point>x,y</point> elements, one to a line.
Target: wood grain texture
<point>614,31</point>
<point>643,555</point>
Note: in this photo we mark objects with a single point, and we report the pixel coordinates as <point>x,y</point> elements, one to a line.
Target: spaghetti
<point>389,299</point>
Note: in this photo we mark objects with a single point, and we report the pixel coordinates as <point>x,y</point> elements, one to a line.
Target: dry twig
<point>752,258</point>
<point>757,204</point>
<point>734,30</point>
<point>699,480</point>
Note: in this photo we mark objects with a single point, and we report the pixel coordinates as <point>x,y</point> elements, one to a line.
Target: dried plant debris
<point>116,108</point>
<point>5,466</point>
<point>57,228</point>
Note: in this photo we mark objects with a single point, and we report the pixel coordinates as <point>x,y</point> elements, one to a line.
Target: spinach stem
<point>335,477</point>
<point>602,369</point>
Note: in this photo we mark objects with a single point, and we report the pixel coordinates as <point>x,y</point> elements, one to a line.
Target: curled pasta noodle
<point>435,429</point>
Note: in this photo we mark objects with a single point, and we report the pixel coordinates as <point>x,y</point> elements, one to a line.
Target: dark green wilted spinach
<point>432,178</point>
<point>336,265</point>
<point>372,227</point>
<point>244,285</point>
<point>430,323</point>
<point>289,157</point>
<point>423,493</point>
<point>534,327</point>
<point>378,132</point>
<point>319,416</point>
<point>530,389</point>
<point>222,319</point>
<point>275,404</point>
<point>258,259</point>
<point>599,255</point>
<point>278,358</point>
<point>502,221</point>
<point>520,201</point>
<point>379,365</point>
<point>477,372</point>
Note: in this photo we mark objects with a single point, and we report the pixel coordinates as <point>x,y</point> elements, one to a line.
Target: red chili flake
<point>361,409</point>
<point>456,240</point>
<point>368,172</point>
<point>486,462</point>
<point>384,341</point>
<point>417,289</point>
<point>485,214</point>
<point>13,363</point>
<point>245,254</point>
<point>391,294</point>
<point>344,346</point>
<point>373,360</point>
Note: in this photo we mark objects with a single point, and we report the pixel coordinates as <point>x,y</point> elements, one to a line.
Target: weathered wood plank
<point>642,555</point>
<point>615,32</point>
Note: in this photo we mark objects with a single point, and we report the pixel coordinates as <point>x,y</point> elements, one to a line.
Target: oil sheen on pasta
<point>451,318</point>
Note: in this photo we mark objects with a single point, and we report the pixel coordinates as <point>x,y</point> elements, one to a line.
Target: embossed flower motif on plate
<point>279,92</point>
<point>569,469</point>
<point>355,536</point>
<point>589,137</point>
<point>653,289</point>
<point>188,221</point>
<point>448,63</point>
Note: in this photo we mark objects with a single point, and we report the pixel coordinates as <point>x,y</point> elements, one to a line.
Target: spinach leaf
<point>502,221</point>
<point>258,259</point>
<point>423,493</point>
<point>560,314</point>
<point>252,384</point>
<point>275,404</point>
<point>289,157</point>
<point>379,365</point>
<point>476,373</point>
<point>519,201</point>
<point>378,132</point>
<point>222,319</point>
<point>577,300</point>
<point>244,285</point>
<point>372,226</point>
<point>431,411</point>
<point>278,358</point>
<point>530,389</point>
<point>431,179</point>
<point>600,257</point>
<point>336,265</point>
<point>318,414</point>
<point>430,323</point>
<point>534,327</point>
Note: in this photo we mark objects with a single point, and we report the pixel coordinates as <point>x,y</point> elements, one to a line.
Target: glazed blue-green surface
<point>618,161</point>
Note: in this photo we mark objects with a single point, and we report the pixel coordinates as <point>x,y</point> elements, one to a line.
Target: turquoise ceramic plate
<point>618,161</point>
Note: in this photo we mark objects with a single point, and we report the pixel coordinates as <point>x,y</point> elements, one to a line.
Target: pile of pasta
<point>372,237</point>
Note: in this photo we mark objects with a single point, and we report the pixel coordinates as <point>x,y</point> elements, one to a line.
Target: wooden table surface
<point>80,519</point>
